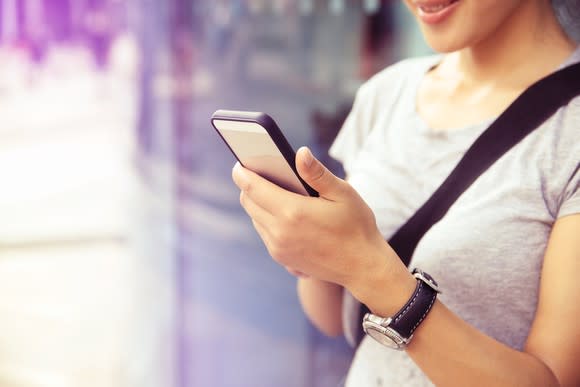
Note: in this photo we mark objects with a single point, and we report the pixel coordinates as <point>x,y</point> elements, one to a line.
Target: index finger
<point>261,191</point>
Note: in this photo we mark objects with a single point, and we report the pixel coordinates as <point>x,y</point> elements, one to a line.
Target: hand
<point>333,237</point>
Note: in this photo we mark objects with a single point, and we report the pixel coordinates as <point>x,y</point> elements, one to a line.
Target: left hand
<point>333,237</point>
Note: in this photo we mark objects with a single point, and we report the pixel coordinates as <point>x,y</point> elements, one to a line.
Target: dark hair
<point>568,13</point>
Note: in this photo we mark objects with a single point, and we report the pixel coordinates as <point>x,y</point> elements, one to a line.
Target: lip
<point>438,17</point>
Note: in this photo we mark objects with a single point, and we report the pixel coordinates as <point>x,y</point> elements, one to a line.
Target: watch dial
<point>383,338</point>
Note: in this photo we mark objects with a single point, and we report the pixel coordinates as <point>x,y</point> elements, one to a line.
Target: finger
<point>262,232</point>
<point>255,212</point>
<point>263,193</point>
<point>317,175</point>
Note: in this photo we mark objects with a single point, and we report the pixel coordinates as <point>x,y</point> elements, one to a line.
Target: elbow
<point>322,310</point>
<point>542,374</point>
<point>332,331</point>
<point>328,327</point>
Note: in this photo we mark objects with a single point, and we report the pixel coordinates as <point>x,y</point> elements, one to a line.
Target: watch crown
<point>382,321</point>
<point>426,278</point>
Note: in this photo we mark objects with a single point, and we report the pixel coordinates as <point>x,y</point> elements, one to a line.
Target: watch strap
<point>408,318</point>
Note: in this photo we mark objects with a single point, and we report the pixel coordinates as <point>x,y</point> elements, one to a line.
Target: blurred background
<point>125,258</point>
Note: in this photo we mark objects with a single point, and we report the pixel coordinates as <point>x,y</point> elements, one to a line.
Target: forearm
<point>453,353</point>
<point>322,303</point>
<point>450,351</point>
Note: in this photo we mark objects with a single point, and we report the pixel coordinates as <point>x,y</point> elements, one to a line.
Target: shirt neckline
<point>434,61</point>
<point>422,124</point>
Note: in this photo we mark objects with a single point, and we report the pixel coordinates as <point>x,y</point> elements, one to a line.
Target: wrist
<point>396,330</point>
<point>385,285</point>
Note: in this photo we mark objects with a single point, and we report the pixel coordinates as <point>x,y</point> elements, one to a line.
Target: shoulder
<point>391,89</point>
<point>572,111</point>
<point>567,124</point>
<point>564,126</point>
<point>556,150</point>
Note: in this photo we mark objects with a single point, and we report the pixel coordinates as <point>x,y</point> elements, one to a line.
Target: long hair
<point>568,13</point>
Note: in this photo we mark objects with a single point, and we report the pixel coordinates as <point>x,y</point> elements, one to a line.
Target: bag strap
<point>523,116</point>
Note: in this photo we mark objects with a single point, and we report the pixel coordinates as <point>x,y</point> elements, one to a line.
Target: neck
<point>524,48</point>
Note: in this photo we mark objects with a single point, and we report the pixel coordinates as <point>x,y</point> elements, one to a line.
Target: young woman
<point>506,255</point>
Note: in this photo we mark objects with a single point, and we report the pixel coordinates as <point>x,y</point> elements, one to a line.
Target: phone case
<point>274,132</point>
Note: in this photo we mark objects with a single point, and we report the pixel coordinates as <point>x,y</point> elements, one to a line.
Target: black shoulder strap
<point>526,113</point>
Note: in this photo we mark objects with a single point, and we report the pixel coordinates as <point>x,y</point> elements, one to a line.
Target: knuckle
<point>277,235</point>
<point>278,246</point>
<point>242,198</point>
<point>318,173</point>
<point>277,253</point>
<point>245,202</point>
<point>243,185</point>
<point>293,216</point>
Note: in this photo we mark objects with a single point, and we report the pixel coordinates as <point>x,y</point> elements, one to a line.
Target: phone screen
<point>255,149</point>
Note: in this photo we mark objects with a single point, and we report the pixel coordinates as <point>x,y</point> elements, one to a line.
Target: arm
<point>322,303</point>
<point>453,353</point>
<point>335,238</point>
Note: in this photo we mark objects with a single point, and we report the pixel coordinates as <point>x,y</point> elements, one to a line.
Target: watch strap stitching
<point>411,301</point>
<point>427,310</point>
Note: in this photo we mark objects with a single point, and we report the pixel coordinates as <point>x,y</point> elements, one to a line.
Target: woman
<point>507,253</point>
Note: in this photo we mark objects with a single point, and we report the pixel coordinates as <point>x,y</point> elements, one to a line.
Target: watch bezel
<point>381,332</point>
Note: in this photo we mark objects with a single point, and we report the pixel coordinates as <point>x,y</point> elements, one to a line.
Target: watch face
<point>383,338</point>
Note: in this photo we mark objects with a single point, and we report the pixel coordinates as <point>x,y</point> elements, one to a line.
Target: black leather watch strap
<point>406,320</point>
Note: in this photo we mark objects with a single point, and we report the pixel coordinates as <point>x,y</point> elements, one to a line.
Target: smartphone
<point>259,145</point>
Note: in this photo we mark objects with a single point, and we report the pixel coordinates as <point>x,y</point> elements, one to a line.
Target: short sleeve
<point>355,129</point>
<point>373,101</point>
<point>571,201</point>
<point>569,160</point>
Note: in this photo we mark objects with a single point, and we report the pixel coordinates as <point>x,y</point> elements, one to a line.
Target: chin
<point>445,43</point>
<point>452,25</point>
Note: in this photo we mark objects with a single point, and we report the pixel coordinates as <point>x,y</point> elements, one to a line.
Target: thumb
<point>317,175</point>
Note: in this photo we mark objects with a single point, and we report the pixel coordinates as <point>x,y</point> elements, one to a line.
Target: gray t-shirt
<point>487,252</point>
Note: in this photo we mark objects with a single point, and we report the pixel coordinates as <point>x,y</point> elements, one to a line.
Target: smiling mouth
<point>430,8</point>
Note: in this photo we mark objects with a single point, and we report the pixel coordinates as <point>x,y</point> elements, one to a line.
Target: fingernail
<point>239,173</point>
<point>308,158</point>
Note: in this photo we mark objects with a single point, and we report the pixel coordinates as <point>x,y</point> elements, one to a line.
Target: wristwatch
<point>397,331</point>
